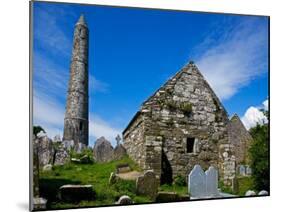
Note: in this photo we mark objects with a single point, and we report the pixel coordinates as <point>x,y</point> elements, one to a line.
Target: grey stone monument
<point>147,184</point>
<point>211,182</point>
<point>242,170</point>
<point>248,170</point>
<point>197,182</point>
<point>76,121</point>
<point>118,139</point>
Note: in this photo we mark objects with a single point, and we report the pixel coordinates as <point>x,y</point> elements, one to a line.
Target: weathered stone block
<point>76,193</point>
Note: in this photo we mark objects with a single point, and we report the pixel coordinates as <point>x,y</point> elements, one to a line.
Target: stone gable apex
<point>170,85</point>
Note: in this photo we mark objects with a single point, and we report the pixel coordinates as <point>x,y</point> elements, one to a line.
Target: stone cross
<point>118,139</point>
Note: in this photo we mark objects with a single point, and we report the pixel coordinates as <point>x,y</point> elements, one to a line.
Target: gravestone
<point>248,170</point>
<point>250,193</point>
<point>57,138</point>
<point>68,144</point>
<point>103,151</point>
<point>45,150</point>
<point>123,168</point>
<point>35,168</point>
<point>211,182</point>
<point>39,203</point>
<point>118,139</point>
<point>167,196</point>
<point>263,193</point>
<point>197,182</point>
<point>242,170</point>
<point>147,184</point>
<point>119,152</point>
<point>112,178</point>
<point>61,155</point>
<point>76,193</point>
<point>47,167</point>
<point>235,185</point>
<point>124,200</point>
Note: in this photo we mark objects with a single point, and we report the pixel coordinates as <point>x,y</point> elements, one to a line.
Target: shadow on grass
<point>49,188</point>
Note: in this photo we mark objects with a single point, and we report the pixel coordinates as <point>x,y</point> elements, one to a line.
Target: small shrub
<point>186,108</point>
<point>171,105</point>
<point>180,180</point>
<point>86,155</point>
<point>37,129</point>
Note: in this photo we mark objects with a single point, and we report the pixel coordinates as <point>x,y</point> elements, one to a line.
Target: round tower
<point>76,123</point>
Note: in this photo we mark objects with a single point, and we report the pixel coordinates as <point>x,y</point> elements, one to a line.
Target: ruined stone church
<point>182,124</point>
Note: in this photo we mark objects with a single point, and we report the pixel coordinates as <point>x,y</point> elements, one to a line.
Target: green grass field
<point>95,174</point>
<point>244,184</point>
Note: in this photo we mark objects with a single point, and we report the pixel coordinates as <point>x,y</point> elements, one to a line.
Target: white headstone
<point>263,193</point>
<point>197,182</point>
<point>250,193</point>
<point>248,170</point>
<point>211,182</point>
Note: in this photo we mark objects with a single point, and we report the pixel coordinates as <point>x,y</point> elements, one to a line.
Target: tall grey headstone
<point>197,182</point>
<point>248,170</point>
<point>211,181</point>
<point>242,170</point>
<point>147,184</point>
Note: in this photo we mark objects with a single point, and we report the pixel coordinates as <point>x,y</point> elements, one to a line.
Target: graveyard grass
<point>96,174</point>
<point>245,183</point>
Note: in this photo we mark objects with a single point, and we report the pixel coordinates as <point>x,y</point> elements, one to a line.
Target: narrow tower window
<point>81,126</point>
<point>190,144</point>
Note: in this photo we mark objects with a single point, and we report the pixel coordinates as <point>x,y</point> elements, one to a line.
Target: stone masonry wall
<point>240,138</point>
<point>134,142</point>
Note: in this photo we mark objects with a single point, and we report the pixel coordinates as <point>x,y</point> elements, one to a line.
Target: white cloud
<point>233,57</point>
<point>48,113</point>
<point>49,34</point>
<point>254,116</point>
<point>99,127</point>
<point>97,85</point>
<point>265,104</point>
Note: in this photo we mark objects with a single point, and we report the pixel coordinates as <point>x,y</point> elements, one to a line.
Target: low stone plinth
<point>123,168</point>
<point>76,193</point>
<point>39,203</point>
<point>164,196</point>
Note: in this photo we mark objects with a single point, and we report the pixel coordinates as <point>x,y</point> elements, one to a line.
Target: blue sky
<point>134,51</point>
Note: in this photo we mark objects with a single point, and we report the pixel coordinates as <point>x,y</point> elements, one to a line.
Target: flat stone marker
<point>147,184</point>
<point>123,168</point>
<point>211,182</point>
<point>197,182</point>
<point>76,193</point>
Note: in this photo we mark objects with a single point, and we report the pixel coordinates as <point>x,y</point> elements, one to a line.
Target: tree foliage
<point>259,155</point>
<point>37,129</point>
